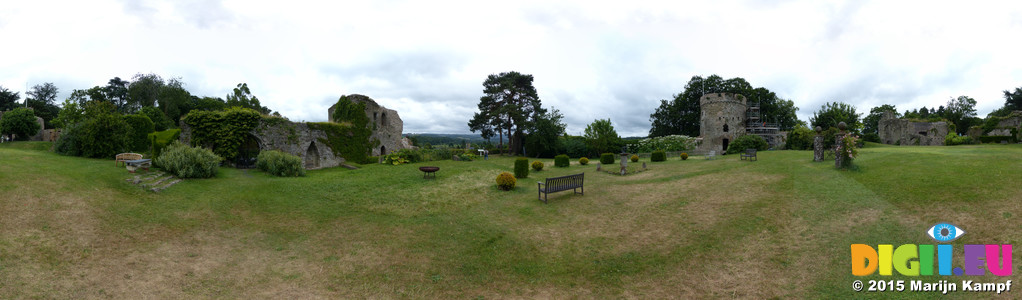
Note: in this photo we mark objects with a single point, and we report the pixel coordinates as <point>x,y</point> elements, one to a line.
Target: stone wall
<point>721,121</point>
<point>387,124</point>
<point>289,137</point>
<point>894,131</point>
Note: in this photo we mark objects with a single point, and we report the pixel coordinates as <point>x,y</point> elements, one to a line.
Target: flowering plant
<point>847,149</point>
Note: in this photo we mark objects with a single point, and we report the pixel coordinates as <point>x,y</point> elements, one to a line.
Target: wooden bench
<point>563,183</point>
<point>123,157</point>
<point>133,165</point>
<point>711,155</point>
<point>749,154</point>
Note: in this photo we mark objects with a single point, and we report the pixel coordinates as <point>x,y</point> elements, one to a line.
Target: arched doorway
<point>312,156</point>
<point>383,150</point>
<point>724,143</point>
<point>248,151</point>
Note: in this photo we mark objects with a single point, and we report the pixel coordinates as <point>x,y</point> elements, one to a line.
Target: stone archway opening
<point>724,143</point>
<point>383,150</point>
<point>248,152</point>
<point>312,156</point>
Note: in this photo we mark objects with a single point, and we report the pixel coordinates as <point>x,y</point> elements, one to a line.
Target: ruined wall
<point>289,137</point>
<point>894,131</point>
<point>722,120</point>
<point>386,123</point>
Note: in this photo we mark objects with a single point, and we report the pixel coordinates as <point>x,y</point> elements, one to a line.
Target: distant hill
<point>446,139</point>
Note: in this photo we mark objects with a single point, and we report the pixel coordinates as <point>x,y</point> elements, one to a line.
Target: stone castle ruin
<point>306,140</point>
<point>726,116</point>
<point>895,131</point>
<point>386,123</point>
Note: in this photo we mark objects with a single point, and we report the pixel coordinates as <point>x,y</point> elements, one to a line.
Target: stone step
<point>160,188</point>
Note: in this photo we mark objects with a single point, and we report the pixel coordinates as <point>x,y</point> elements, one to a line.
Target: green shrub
<point>537,165</point>
<point>160,139</point>
<point>141,127</point>
<point>747,141</point>
<point>561,161</point>
<point>684,156</point>
<point>506,181</point>
<point>666,143</point>
<point>607,158</point>
<point>801,138</point>
<point>222,131</point>
<point>658,155</point>
<point>521,167</point>
<point>635,158</point>
<point>583,161</point>
<point>104,136</point>
<point>403,156</point>
<point>996,139</point>
<point>68,143</point>
<point>188,162</point>
<point>21,122</point>
<point>280,164</point>
<point>160,120</point>
<point>953,139</point>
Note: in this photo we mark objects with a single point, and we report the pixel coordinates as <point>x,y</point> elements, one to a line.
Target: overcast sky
<point>590,59</point>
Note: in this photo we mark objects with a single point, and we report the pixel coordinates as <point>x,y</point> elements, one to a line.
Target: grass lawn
<point>779,227</point>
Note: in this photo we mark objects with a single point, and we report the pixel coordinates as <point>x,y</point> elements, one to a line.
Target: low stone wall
<point>894,131</point>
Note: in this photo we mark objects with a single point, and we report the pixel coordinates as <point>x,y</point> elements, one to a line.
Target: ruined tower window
<point>374,116</point>
<point>725,127</point>
<point>922,133</point>
<point>383,119</point>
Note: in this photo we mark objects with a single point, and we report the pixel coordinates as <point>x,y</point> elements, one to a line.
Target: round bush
<point>658,155</point>
<point>141,127</point>
<point>521,167</point>
<point>801,138</point>
<point>160,120</point>
<point>506,181</point>
<point>635,158</point>
<point>684,156</point>
<point>280,164</point>
<point>20,122</point>
<point>537,165</point>
<point>747,141</point>
<point>561,161</point>
<point>607,158</point>
<point>103,136</point>
<point>188,162</point>
<point>583,161</point>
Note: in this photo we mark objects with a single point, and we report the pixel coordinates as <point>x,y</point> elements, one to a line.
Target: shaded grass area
<point>778,227</point>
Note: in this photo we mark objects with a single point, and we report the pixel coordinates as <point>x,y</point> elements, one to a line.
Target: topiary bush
<point>658,155</point>
<point>684,156</point>
<point>537,165</point>
<point>801,138</point>
<point>141,127</point>
<point>583,161</point>
<point>280,164</point>
<point>68,142</point>
<point>561,161</point>
<point>607,158</point>
<point>747,141</point>
<point>506,181</point>
<point>521,167</point>
<point>161,139</point>
<point>188,162</point>
<point>160,120</point>
<point>635,158</point>
<point>103,136</point>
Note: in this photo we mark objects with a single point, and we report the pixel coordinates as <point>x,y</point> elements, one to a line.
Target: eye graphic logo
<point>945,232</point>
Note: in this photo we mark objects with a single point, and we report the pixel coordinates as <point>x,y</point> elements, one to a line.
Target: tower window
<point>725,127</point>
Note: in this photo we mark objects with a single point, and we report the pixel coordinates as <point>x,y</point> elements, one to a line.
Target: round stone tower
<point>722,120</point>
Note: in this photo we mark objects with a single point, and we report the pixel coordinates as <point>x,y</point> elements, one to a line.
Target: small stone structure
<point>894,131</point>
<point>285,136</point>
<point>386,123</point>
<point>818,145</point>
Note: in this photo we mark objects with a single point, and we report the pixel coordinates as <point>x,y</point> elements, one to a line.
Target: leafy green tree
<point>21,122</point>
<point>206,104</point>
<point>800,138</point>
<point>871,123</point>
<point>681,115</point>
<point>242,97</point>
<point>141,127</point>
<point>142,92</point>
<point>543,138</point>
<point>1013,99</point>
<point>8,99</point>
<point>104,135</point>
<point>43,101</point>
<point>509,105</point>
<point>116,90</point>
<point>830,114</point>
<point>602,137</point>
<point>961,111</point>
<point>173,100</point>
<point>70,114</point>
